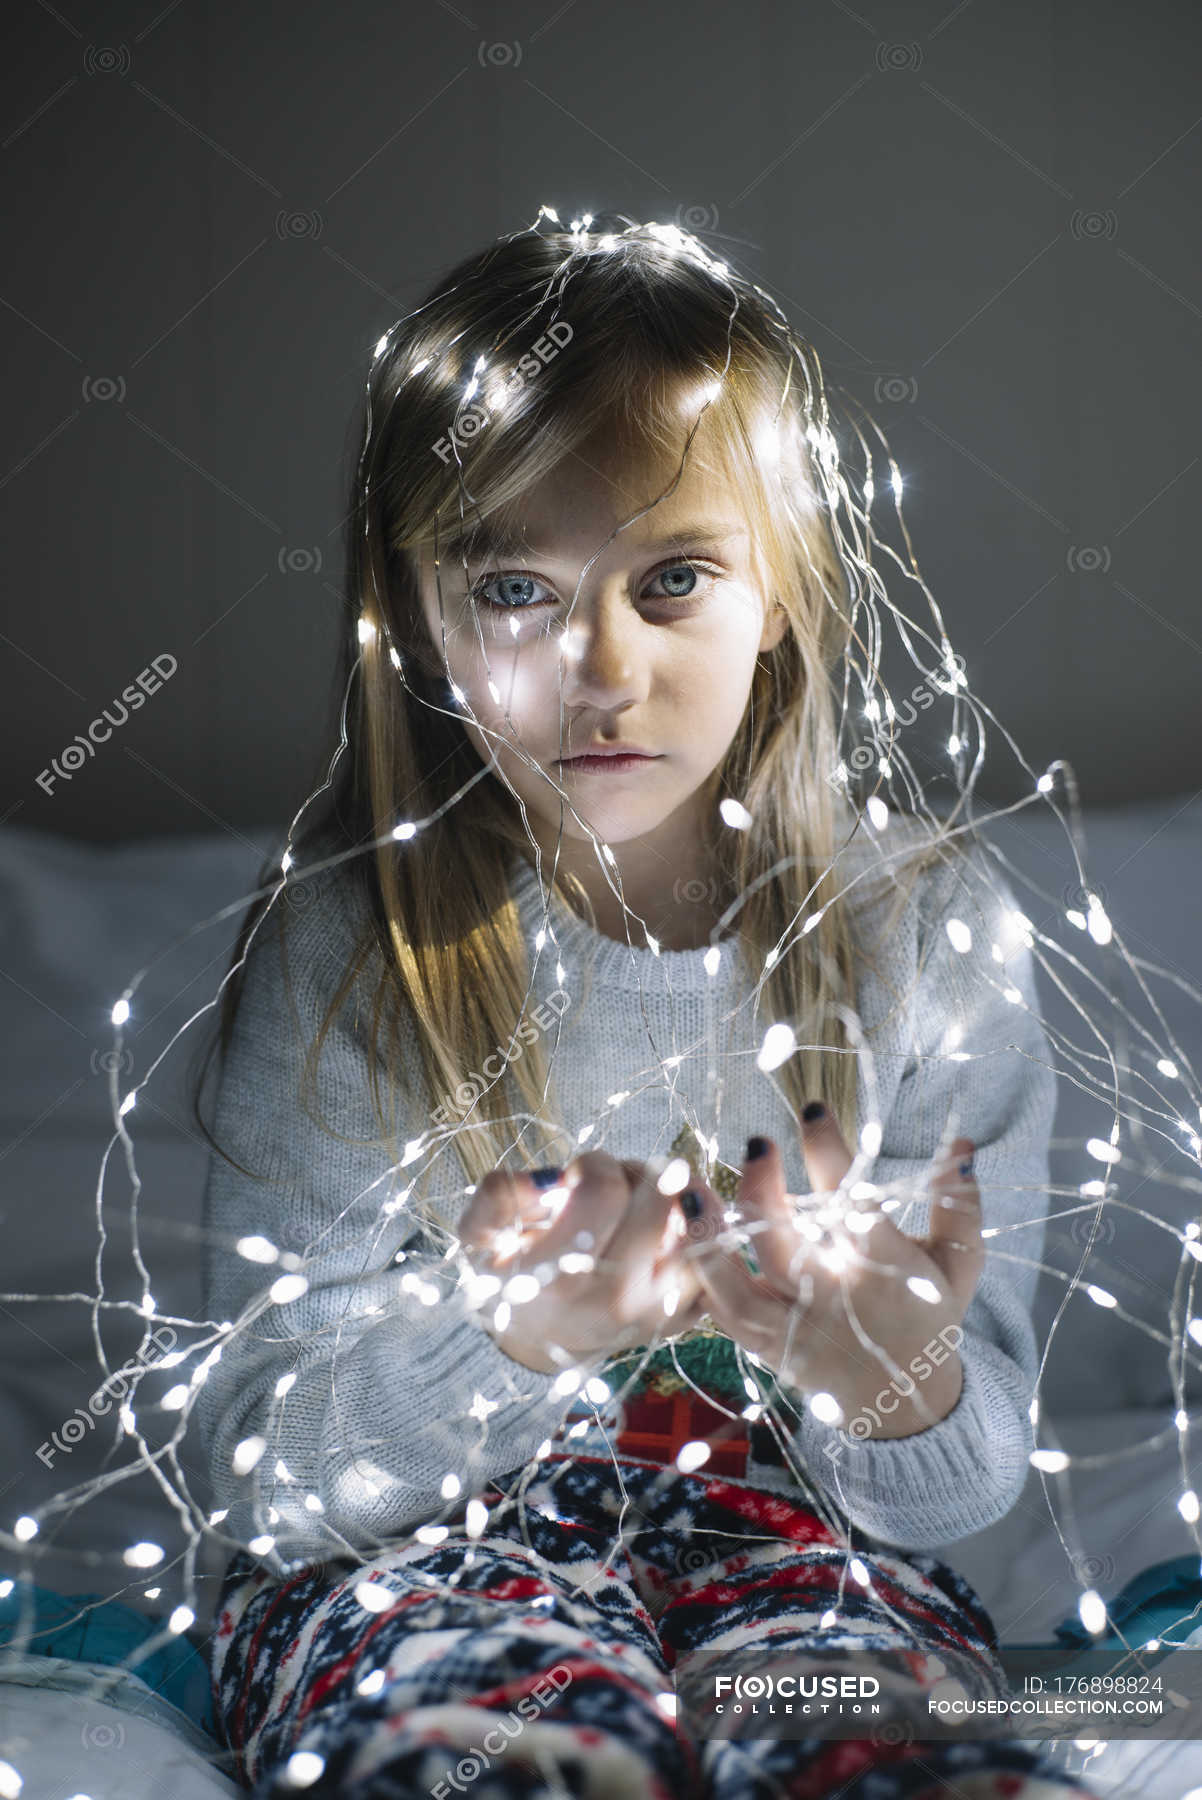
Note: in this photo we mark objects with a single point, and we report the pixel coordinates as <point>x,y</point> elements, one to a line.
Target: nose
<point>605,657</point>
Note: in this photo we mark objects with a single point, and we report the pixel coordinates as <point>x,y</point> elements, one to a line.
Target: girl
<point>542,1401</point>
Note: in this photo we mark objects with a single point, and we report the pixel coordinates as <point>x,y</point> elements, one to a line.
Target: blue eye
<point>676,569</point>
<point>517,592</point>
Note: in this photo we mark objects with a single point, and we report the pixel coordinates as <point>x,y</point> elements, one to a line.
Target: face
<point>653,644</point>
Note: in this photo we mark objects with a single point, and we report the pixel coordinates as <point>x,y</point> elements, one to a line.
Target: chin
<point>613,826</point>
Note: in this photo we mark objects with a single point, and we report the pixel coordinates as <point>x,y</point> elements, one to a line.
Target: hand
<point>834,1313</point>
<point>630,1256</point>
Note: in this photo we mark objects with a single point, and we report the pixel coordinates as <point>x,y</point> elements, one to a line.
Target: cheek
<point>525,708</point>
<point>714,674</point>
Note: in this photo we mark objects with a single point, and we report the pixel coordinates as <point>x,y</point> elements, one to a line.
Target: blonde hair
<point>652,319</point>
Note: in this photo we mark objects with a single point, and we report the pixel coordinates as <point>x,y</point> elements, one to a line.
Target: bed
<point>78,920</point>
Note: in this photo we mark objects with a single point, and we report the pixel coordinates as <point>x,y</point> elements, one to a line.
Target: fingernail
<point>966,1166</point>
<point>691,1204</point>
<point>813,1112</point>
<point>545,1177</point>
<point>756,1147</point>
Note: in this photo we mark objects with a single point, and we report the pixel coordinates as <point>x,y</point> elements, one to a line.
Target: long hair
<point>451,436</point>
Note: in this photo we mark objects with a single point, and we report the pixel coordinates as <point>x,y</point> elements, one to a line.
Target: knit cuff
<point>955,1478</point>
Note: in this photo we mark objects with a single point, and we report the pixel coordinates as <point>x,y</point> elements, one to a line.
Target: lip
<point>612,759</point>
<point>606,765</point>
<point>614,747</point>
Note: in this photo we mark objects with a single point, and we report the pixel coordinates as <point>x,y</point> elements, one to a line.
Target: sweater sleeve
<point>980,1062</point>
<point>363,1394</point>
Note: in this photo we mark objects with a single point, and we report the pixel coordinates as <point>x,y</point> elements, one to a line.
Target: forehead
<point>580,504</point>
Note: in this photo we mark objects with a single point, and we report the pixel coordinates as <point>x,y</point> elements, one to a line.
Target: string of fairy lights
<point>1130,1061</point>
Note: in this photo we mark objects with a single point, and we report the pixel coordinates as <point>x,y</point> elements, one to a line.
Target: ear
<point>776,623</point>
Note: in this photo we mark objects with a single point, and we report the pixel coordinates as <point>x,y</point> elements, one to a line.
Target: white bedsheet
<point>62,1742</point>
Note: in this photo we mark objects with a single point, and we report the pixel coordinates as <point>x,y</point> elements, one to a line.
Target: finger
<point>584,1209</point>
<point>784,1255</point>
<point>768,1212</point>
<point>827,1157</point>
<point>639,1247</point>
<point>598,1192</point>
<point>954,1242</point>
<point>736,1299</point>
<point>506,1200</point>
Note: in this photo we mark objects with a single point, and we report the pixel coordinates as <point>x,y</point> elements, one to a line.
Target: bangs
<point>652,430</point>
<point>520,360</point>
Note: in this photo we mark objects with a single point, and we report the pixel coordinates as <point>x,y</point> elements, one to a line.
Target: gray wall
<point>984,216</point>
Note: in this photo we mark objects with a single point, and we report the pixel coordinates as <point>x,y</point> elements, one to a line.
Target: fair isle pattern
<point>556,1636</point>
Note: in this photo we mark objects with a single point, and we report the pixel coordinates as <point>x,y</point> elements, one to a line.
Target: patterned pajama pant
<point>537,1659</point>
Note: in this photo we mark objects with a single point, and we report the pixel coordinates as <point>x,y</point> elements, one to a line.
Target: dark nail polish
<point>691,1204</point>
<point>813,1112</point>
<point>966,1166</point>
<point>756,1147</point>
<point>545,1178</point>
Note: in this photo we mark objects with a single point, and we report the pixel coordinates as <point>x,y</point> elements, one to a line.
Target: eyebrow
<point>481,540</point>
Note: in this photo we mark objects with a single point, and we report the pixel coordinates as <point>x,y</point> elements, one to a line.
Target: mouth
<point>608,762</point>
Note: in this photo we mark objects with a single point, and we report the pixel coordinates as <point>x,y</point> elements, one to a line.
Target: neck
<point>668,879</point>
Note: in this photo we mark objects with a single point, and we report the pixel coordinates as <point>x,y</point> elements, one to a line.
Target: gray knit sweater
<point>367,1397</point>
